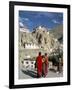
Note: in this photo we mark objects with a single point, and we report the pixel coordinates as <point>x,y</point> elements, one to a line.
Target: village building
<point>30,46</point>
<point>28,63</point>
<point>41,28</point>
<point>55,39</point>
<point>48,32</point>
<point>50,65</point>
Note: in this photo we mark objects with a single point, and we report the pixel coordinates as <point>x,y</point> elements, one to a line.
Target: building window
<point>26,62</point>
<point>22,62</point>
<point>32,66</point>
<point>30,44</point>
<point>31,62</point>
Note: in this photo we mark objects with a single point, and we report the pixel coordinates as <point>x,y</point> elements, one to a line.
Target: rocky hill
<point>41,37</point>
<point>44,38</point>
<point>57,32</point>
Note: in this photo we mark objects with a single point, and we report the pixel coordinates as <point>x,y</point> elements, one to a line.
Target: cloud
<point>21,19</point>
<point>54,21</point>
<point>26,19</point>
<point>21,24</point>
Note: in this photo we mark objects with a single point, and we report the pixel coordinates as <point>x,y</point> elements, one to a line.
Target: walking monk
<point>43,66</point>
<point>46,64</point>
<point>39,65</point>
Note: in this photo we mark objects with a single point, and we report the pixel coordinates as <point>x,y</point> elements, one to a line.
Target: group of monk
<point>42,65</point>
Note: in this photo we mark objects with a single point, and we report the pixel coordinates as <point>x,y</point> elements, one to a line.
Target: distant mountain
<point>57,32</point>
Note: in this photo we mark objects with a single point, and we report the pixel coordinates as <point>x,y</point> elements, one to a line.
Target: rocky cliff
<point>40,36</point>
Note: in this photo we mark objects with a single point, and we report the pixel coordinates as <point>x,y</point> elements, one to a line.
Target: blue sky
<point>31,19</point>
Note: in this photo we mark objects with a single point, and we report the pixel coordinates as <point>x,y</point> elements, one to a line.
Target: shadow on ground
<point>53,70</point>
<point>30,73</point>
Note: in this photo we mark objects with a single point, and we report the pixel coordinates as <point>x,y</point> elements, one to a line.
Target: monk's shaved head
<point>39,53</point>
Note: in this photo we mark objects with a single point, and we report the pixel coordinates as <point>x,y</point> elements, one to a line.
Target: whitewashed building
<point>30,46</point>
<point>41,28</point>
<point>50,65</point>
<point>55,39</point>
<point>48,32</point>
<point>29,63</point>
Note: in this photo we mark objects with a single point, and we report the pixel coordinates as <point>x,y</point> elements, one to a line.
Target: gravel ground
<point>31,73</point>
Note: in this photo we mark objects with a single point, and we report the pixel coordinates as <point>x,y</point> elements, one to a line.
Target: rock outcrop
<point>47,40</point>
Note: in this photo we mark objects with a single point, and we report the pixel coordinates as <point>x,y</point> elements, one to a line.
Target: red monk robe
<point>46,64</point>
<point>39,66</point>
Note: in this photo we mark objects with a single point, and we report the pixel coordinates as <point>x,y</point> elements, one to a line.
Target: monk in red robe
<point>46,64</point>
<point>39,65</point>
